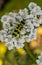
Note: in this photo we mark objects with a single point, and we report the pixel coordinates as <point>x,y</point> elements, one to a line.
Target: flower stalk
<point>29,52</point>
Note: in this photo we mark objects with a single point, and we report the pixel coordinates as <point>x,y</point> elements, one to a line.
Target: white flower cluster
<point>9,22</point>
<point>28,23</point>
<point>39,60</point>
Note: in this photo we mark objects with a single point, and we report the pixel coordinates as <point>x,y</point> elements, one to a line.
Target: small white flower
<point>10,45</point>
<point>36,22</point>
<point>39,60</point>
<point>32,35</point>
<point>1,38</point>
<point>22,31</point>
<point>32,5</point>
<point>29,16</point>
<point>4,18</point>
<point>35,34</point>
<point>6,40</point>
<point>20,12</point>
<point>14,41</point>
<point>2,35</point>
<point>40,64</point>
<point>21,41</point>
<point>11,19</point>
<point>19,45</point>
<point>3,32</point>
<point>28,26</point>
<point>39,13</point>
<point>6,25</point>
<point>23,13</point>
<point>35,10</point>
<point>12,14</point>
<point>27,39</point>
<point>19,18</point>
<point>40,21</point>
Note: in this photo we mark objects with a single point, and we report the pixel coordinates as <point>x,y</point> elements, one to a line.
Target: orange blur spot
<point>33,44</point>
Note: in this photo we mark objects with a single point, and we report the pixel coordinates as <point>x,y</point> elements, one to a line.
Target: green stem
<point>29,52</point>
<point>15,62</point>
